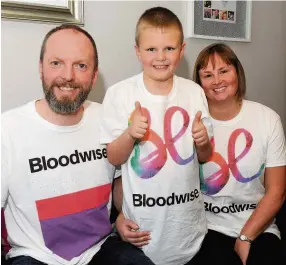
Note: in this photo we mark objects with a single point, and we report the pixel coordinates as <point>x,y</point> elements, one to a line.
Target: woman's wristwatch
<point>245,238</point>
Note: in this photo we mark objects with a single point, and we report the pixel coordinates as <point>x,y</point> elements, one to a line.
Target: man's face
<point>67,71</point>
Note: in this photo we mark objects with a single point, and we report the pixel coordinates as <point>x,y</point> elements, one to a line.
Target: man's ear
<point>137,50</point>
<point>94,78</point>
<point>182,50</point>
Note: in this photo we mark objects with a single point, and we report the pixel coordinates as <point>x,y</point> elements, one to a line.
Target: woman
<point>245,179</point>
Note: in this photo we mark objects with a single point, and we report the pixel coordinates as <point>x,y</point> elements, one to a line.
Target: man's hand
<point>139,123</point>
<point>128,230</point>
<point>242,249</point>
<point>199,131</point>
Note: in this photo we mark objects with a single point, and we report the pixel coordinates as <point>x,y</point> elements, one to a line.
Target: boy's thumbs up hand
<point>139,123</point>
<point>199,131</point>
<point>197,118</point>
<point>137,108</point>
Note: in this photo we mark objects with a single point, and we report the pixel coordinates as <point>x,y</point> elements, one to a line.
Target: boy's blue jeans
<point>113,251</point>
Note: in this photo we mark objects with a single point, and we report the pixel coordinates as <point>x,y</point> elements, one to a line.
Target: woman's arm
<point>272,201</point>
<point>267,208</point>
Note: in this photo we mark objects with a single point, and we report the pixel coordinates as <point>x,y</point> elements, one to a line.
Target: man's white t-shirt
<point>161,177</point>
<point>233,181</point>
<point>56,186</point>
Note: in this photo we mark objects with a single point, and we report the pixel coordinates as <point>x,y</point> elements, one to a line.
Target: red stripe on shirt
<point>73,203</point>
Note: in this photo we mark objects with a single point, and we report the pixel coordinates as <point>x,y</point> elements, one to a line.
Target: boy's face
<point>159,51</point>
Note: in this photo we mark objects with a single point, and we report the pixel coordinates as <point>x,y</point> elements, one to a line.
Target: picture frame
<point>44,11</point>
<point>219,20</point>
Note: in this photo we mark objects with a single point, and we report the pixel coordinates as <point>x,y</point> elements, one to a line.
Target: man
<point>56,181</point>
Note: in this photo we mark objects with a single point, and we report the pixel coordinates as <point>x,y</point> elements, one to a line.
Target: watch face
<point>243,237</point>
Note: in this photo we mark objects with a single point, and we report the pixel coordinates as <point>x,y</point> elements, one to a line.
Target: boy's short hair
<point>159,17</point>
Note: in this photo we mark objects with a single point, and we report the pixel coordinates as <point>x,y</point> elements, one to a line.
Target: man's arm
<point>127,229</point>
<point>129,232</point>
<point>117,194</point>
<point>4,172</point>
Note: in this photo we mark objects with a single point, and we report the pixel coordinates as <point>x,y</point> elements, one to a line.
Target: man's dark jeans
<point>113,251</point>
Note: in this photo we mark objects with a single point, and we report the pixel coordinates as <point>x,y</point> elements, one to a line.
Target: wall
<point>112,24</point>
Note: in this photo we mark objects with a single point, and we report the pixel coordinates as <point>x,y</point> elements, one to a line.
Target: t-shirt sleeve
<point>206,118</point>
<point>276,150</point>
<point>114,121</point>
<point>4,172</point>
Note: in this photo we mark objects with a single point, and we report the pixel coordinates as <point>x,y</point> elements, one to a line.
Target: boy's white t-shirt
<point>161,177</point>
<point>56,185</point>
<point>233,181</point>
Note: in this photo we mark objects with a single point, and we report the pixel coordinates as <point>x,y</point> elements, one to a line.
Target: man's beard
<point>65,105</point>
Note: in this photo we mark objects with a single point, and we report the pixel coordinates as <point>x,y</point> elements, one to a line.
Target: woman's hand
<point>242,249</point>
<point>128,230</point>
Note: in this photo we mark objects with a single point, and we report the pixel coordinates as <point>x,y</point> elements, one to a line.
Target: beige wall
<point>112,24</point>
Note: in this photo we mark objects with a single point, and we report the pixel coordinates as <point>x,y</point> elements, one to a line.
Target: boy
<point>159,162</point>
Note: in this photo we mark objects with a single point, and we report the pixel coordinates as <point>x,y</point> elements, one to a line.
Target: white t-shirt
<point>233,181</point>
<point>161,177</point>
<point>56,185</point>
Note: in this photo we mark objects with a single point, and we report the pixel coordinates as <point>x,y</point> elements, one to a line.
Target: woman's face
<point>220,82</point>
